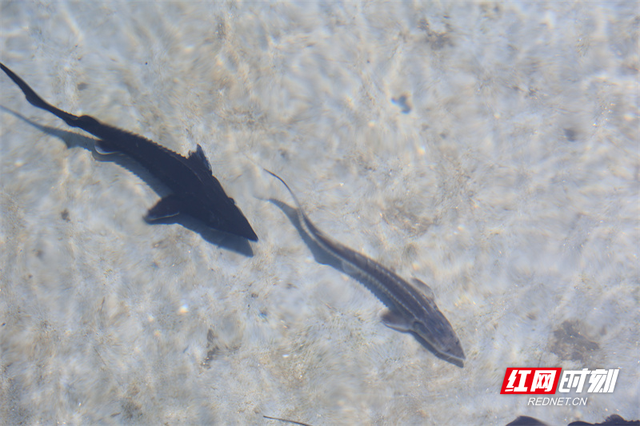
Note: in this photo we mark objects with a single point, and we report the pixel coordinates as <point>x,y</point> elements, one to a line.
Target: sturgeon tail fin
<point>37,101</point>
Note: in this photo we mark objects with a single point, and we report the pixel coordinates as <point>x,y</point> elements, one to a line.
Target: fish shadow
<point>319,254</point>
<point>322,257</point>
<point>74,140</point>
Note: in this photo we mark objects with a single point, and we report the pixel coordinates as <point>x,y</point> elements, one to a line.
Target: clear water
<point>488,149</point>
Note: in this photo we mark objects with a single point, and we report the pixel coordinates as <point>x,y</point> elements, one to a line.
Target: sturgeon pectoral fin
<point>395,321</point>
<point>168,206</point>
<point>425,289</point>
<point>105,148</point>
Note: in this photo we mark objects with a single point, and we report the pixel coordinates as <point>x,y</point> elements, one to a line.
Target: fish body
<point>194,189</point>
<point>411,308</point>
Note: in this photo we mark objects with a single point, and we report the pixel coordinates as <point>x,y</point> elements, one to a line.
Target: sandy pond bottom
<point>488,149</point>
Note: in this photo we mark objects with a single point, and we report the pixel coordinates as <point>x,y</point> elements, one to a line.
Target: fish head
<point>230,219</point>
<point>439,334</point>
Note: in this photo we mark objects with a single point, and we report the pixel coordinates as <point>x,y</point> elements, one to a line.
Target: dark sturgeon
<point>411,309</point>
<point>195,191</point>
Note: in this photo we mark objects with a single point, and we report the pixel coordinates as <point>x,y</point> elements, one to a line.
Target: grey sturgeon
<point>411,308</point>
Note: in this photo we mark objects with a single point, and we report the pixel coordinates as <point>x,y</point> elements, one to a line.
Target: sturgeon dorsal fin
<point>425,289</point>
<point>197,159</point>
